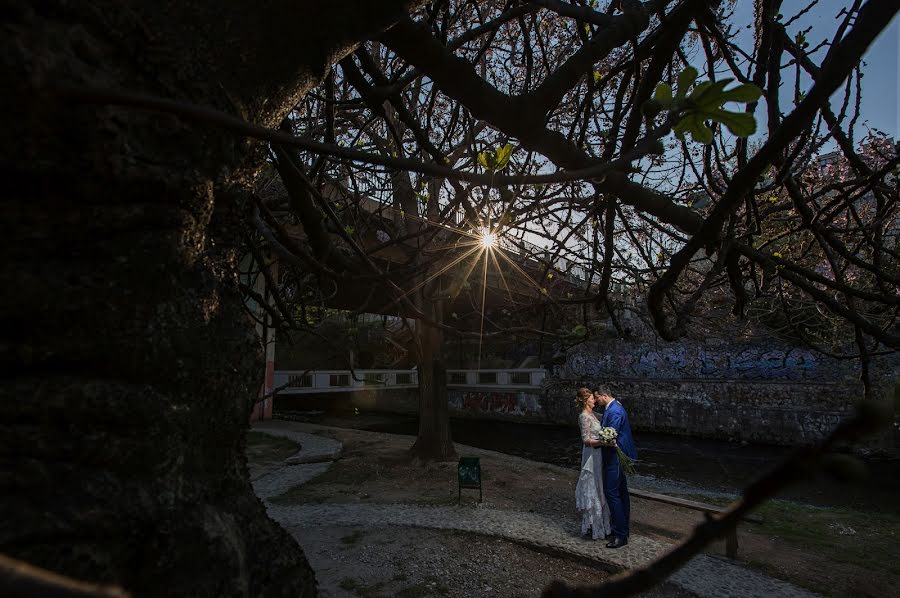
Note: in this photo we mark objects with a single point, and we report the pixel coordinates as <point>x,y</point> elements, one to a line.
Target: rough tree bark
<point>433,442</point>
<point>132,365</point>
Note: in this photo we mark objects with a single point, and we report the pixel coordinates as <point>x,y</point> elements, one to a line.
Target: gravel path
<point>704,575</point>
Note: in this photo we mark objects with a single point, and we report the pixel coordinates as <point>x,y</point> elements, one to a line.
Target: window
<point>339,380</point>
<point>520,378</point>
<point>487,377</point>
<point>457,377</point>
<point>404,378</point>
<point>300,381</point>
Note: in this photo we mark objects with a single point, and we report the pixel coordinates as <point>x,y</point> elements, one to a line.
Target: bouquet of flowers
<point>608,435</point>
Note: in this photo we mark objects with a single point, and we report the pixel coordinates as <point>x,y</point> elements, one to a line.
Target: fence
<point>321,381</point>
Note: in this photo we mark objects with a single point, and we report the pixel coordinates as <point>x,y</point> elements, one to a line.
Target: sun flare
<point>488,239</point>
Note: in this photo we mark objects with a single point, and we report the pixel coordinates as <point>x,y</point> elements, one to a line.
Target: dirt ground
<point>412,562</point>
<point>375,467</point>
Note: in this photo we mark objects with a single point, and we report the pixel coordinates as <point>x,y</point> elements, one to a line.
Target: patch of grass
<point>353,538</point>
<point>264,448</point>
<point>828,531</point>
<point>863,538</point>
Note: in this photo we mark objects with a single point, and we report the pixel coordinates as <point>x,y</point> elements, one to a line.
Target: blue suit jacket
<point>615,417</point>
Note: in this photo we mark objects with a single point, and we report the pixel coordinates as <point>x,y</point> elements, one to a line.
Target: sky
<point>881,74</point>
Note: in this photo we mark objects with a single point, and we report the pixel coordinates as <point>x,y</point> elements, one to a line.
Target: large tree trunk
<point>433,442</point>
<point>133,367</point>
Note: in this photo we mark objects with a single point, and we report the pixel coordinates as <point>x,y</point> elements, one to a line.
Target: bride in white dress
<point>589,498</point>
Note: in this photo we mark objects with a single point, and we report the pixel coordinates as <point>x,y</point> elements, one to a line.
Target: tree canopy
<point>657,147</point>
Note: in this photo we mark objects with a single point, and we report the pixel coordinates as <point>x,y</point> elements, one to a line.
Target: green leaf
<point>579,330</point>
<point>700,89</point>
<point>598,76</point>
<point>746,93</point>
<point>709,94</point>
<point>485,160</point>
<point>713,87</point>
<point>686,78</point>
<point>741,124</point>
<point>693,124</point>
<point>502,156</point>
<point>687,124</point>
<point>663,94</point>
<point>702,133</point>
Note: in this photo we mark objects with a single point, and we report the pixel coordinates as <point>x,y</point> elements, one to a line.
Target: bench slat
<point>683,502</point>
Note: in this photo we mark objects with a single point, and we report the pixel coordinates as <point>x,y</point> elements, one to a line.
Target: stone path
<point>704,575</point>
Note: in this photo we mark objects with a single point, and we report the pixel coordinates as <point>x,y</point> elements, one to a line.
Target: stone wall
<point>782,413</point>
<point>787,413</point>
<point>744,391</point>
<point>748,361</point>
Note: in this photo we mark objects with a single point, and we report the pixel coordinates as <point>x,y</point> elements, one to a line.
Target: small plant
<point>704,103</point>
<point>495,160</point>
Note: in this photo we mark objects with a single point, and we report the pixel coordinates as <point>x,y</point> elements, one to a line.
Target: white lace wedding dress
<point>589,498</point>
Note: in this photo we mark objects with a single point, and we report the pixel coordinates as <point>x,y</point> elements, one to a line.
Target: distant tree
<point>641,144</point>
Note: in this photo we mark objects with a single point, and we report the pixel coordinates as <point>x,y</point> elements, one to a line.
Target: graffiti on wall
<point>506,403</point>
<point>694,362</point>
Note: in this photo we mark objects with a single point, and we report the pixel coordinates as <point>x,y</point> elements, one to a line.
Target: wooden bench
<point>731,543</point>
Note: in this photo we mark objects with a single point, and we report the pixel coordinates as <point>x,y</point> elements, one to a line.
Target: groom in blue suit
<point>615,485</point>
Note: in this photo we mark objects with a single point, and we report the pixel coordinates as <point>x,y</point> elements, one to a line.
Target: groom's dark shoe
<point>617,542</point>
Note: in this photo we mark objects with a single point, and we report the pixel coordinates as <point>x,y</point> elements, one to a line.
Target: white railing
<point>319,381</point>
<point>500,378</point>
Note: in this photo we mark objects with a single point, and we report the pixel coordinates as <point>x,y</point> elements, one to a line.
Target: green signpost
<point>469,474</point>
